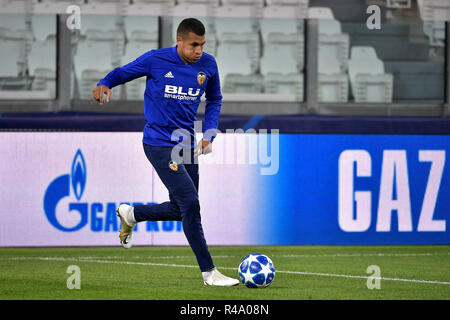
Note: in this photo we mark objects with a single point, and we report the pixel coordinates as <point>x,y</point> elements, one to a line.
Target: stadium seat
<point>195,8</point>
<point>244,47</point>
<point>235,25</point>
<point>231,59</point>
<point>134,90</point>
<point>144,24</point>
<point>13,22</point>
<point>89,69</point>
<point>42,65</point>
<point>146,38</point>
<point>43,26</point>
<point>12,65</point>
<point>237,65</point>
<point>15,26</point>
<point>283,53</point>
<point>320,13</point>
<point>103,23</point>
<point>289,83</point>
<point>169,2</point>
<point>114,38</point>
<point>332,81</point>
<point>435,31</point>
<point>135,49</point>
<point>434,13</point>
<point>149,8</point>
<point>277,25</point>
<point>53,6</point>
<point>108,1</point>
<point>297,9</point>
<point>10,51</point>
<point>332,39</point>
<point>329,27</point>
<point>15,29</point>
<point>282,64</point>
<point>434,10</point>
<point>20,49</point>
<point>63,1</point>
<point>105,7</point>
<point>368,80</point>
<point>240,9</point>
<point>239,83</point>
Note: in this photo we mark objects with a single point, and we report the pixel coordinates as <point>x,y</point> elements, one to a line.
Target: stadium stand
<point>410,50</point>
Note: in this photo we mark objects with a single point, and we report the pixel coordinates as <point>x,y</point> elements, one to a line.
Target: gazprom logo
<point>99,216</point>
<point>78,175</point>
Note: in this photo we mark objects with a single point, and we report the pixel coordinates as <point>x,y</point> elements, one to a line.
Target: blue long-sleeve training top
<point>172,94</point>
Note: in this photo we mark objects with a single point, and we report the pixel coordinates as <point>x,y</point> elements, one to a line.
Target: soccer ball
<point>256,271</point>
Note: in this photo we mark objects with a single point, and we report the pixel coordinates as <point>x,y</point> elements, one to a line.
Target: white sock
<point>131,216</point>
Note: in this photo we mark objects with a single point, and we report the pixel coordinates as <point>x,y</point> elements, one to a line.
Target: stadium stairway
<point>417,80</point>
<point>415,76</point>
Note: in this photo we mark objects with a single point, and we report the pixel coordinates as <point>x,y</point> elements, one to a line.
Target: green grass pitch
<point>171,273</point>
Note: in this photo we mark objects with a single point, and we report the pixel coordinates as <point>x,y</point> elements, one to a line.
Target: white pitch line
<point>225,268</point>
<point>343,255</point>
<point>364,255</point>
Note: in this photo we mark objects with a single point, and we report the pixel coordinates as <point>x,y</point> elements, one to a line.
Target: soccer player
<point>176,79</point>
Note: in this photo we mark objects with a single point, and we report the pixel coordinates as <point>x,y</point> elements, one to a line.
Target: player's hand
<point>99,92</point>
<point>203,147</point>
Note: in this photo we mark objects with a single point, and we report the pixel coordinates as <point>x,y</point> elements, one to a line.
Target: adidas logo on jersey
<point>169,75</point>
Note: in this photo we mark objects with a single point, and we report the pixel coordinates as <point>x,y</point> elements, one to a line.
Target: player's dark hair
<point>190,25</point>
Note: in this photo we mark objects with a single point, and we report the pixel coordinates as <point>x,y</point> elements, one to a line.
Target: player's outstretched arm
<point>120,75</point>
<point>99,92</point>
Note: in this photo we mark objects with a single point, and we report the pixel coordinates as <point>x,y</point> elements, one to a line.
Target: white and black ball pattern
<point>256,271</point>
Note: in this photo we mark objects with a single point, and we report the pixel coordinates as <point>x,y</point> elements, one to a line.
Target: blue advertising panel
<point>255,189</point>
<point>356,189</point>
